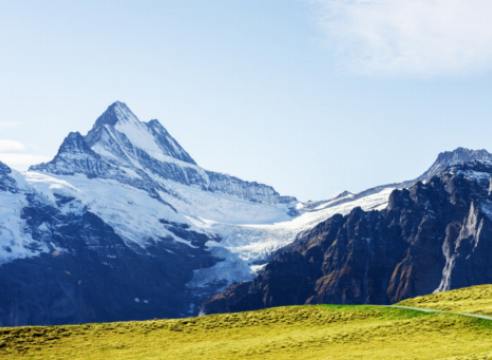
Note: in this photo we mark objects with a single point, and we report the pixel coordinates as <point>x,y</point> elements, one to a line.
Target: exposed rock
<point>433,236</point>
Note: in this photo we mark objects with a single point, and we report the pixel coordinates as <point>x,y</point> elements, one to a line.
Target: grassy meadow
<point>473,300</point>
<point>298,332</point>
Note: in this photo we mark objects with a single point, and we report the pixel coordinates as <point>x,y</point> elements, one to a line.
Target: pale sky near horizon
<point>311,96</point>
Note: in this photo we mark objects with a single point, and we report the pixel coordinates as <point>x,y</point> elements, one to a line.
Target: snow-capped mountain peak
<point>145,155</point>
<point>121,147</point>
<point>459,156</point>
<point>118,128</point>
<point>148,191</point>
<point>116,112</point>
<point>463,155</point>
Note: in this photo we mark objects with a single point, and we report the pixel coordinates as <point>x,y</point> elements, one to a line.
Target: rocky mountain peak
<point>464,155</point>
<point>116,112</point>
<point>119,128</point>
<point>7,182</point>
<point>145,155</point>
<point>4,169</point>
<point>74,143</point>
<point>74,156</point>
<point>459,156</point>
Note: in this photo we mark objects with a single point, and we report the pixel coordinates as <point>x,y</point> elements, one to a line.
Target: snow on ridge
<point>15,241</point>
<point>219,207</point>
<point>150,137</point>
<point>249,231</point>
<point>133,214</point>
<point>46,185</point>
<point>143,154</point>
<point>139,135</point>
<point>250,244</point>
<point>459,156</point>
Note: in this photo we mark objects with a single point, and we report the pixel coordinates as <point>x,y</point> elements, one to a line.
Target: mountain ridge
<point>143,150</point>
<point>434,236</point>
<point>128,193</point>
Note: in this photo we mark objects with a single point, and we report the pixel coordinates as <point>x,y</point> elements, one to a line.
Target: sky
<point>313,97</point>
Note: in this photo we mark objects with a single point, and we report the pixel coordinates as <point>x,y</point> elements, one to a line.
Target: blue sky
<point>311,96</point>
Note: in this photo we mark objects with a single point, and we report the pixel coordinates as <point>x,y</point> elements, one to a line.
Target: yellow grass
<point>476,299</point>
<point>301,332</point>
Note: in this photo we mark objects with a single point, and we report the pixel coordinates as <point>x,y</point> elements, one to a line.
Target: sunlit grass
<point>476,299</point>
<point>302,332</point>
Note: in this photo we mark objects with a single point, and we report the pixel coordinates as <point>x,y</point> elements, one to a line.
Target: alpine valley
<point>123,224</point>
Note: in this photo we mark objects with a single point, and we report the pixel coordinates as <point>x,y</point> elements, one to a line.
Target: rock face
<point>433,236</point>
<point>62,263</point>
<point>89,274</point>
<point>7,183</point>
<point>457,157</point>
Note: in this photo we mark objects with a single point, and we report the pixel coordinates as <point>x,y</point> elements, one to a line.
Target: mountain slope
<point>143,155</point>
<point>434,236</point>
<point>62,263</point>
<point>307,332</point>
<point>473,300</point>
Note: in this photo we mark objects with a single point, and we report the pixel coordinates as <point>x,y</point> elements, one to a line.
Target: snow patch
<point>133,214</point>
<point>15,240</point>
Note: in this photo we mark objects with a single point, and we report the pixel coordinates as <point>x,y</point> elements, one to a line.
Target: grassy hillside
<point>303,332</point>
<point>476,299</point>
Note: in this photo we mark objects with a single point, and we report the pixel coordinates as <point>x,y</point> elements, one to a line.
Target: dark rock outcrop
<point>433,236</point>
<point>89,274</point>
<point>7,182</point>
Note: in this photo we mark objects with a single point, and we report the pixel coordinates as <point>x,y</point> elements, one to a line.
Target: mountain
<point>123,224</point>
<point>61,262</point>
<point>459,156</point>
<point>144,155</point>
<point>435,235</point>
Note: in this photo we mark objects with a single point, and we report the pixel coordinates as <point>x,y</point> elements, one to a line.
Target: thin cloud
<point>15,154</point>
<point>22,161</point>
<point>11,146</point>
<point>415,37</point>
<point>9,124</point>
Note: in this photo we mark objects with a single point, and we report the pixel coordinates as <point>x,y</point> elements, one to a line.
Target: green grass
<point>299,332</point>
